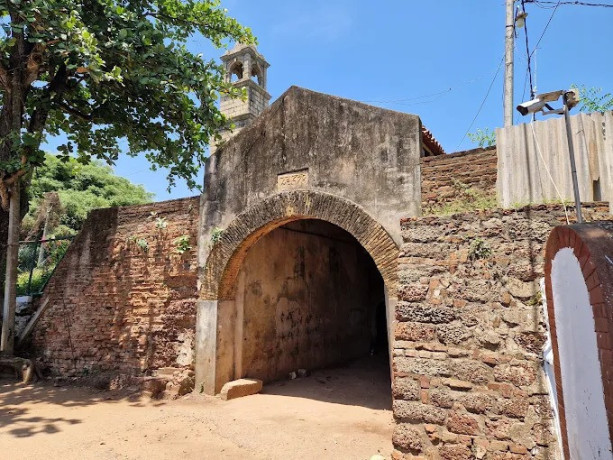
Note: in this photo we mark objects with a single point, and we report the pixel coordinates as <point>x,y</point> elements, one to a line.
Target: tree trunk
<point>7,340</point>
<point>41,247</point>
<point>4,231</point>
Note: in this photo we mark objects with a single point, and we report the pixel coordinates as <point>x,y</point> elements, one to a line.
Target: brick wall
<point>467,358</point>
<point>122,300</point>
<point>444,176</point>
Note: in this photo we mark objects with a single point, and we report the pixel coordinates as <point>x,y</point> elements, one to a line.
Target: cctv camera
<point>533,106</point>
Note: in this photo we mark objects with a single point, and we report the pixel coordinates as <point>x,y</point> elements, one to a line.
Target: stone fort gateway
<point>317,241</point>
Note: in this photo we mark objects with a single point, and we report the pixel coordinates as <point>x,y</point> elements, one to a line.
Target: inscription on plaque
<point>293,181</point>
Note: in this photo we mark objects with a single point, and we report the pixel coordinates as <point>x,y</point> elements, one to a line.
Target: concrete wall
<point>305,155</point>
<point>357,152</point>
<point>306,299</point>
<point>534,164</point>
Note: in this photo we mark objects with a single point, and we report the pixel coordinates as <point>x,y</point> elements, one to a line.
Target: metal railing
<point>37,263</point>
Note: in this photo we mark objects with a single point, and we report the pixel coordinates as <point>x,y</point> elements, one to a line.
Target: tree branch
<point>5,197</point>
<point>33,64</point>
<point>4,78</point>
<point>16,175</point>
<point>75,112</point>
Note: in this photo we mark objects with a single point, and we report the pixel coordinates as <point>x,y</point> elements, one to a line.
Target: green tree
<point>593,99</point>
<point>483,137</point>
<point>103,71</point>
<point>79,188</point>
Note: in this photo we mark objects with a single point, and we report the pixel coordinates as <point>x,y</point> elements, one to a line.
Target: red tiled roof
<point>430,142</point>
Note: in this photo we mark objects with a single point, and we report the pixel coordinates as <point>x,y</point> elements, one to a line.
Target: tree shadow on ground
<point>364,382</point>
<point>21,422</point>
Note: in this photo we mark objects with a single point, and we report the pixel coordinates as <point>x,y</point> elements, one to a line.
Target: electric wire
<point>415,100</point>
<point>523,7</point>
<point>553,13</point>
<point>489,89</point>
<point>543,4</point>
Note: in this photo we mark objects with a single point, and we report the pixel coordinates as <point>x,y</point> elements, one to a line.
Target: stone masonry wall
<point>444,175</point>
<point>122,301</point>
<point>468,381</point>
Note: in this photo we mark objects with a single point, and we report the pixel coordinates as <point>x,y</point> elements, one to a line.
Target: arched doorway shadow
<point>305,296</point>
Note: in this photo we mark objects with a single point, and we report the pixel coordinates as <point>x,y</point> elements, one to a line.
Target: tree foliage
<point>483,137</point>
<point>80,189</point>
<point>103,71</point>
<point>593,99</point>
<point>106,74</point>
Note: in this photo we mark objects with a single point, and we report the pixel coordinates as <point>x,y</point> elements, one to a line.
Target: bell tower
<point>246,68</point>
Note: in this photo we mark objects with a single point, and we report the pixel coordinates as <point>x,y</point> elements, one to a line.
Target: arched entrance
<point>307,297</point>
<point>307,310</point>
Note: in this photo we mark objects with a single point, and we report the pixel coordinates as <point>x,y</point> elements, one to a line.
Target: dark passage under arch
<point>309,297</point>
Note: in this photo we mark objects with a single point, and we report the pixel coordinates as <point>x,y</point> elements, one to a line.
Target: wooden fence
<point>534,166</point>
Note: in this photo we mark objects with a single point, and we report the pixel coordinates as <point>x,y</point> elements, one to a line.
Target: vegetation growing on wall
<point>466,199</point>
<point>483,137</point>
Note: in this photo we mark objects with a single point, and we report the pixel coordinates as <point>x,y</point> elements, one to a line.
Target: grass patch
<point>466,199</point>
<point>40,277</point>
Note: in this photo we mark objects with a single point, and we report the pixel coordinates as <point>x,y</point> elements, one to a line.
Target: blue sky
<point>435,59</point>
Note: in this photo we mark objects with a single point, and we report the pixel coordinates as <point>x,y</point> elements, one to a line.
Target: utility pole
<point>508,69</point>
<point>571,153</point>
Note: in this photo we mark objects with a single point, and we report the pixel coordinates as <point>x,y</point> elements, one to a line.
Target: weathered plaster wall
<point>220,275</point>
<point>467,358</point>
<point>444,177</point>
<point>116,305</point>
<point>307,299</point>
<point>367,155</point>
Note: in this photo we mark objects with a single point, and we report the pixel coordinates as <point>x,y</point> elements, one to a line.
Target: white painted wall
<point>550,376</point>
<point>586,419</point>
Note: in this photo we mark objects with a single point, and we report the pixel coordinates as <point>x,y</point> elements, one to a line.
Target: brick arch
<point>227,255</point>
<point>590,244</point>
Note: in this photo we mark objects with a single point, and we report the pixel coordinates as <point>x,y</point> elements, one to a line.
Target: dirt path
<point>340,414</point>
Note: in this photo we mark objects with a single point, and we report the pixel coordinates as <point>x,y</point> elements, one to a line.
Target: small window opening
<point>236,72</point>
<point>256,75</point>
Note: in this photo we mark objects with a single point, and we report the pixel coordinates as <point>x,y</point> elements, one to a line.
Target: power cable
<point>395,101</point>
<point>489,89</point>
<point>553,13</point>
<point>542,4</point>
<point>523,7</point>
<point>411,100</point>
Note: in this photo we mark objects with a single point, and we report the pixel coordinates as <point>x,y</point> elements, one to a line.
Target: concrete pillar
<point>206,346</point>
<point>246,68</point>
<point>390,316</point>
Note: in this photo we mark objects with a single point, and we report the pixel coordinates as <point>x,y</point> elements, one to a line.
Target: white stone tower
<point>246,68</point>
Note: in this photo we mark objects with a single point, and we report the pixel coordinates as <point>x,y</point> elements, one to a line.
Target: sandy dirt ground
<point>338,414</point>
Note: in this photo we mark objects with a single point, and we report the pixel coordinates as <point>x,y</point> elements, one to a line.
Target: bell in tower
<point>245,68</point>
